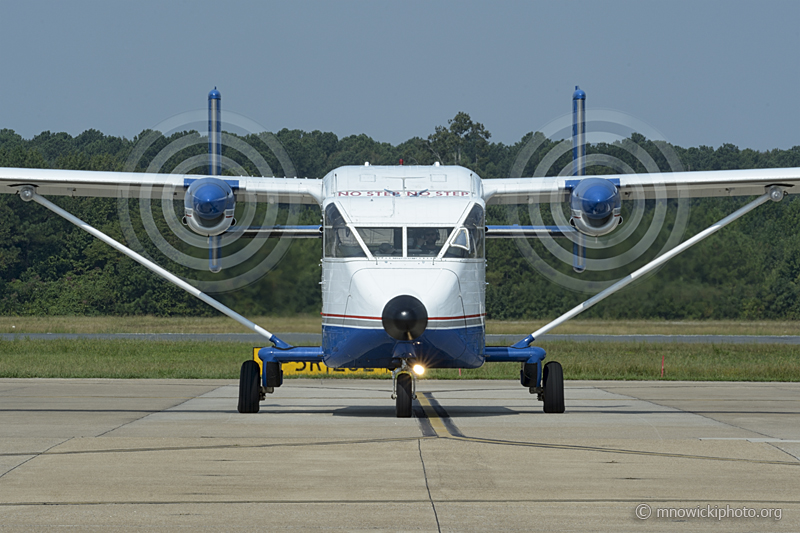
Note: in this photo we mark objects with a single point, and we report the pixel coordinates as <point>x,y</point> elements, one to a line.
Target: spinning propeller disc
<point>182,151</point>
<point>615,255</point>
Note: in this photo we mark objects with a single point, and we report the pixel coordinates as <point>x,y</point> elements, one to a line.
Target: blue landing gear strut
<point>544,380</point>
<point>253,388</point>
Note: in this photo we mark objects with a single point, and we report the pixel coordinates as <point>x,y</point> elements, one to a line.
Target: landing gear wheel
<point>249,387</point>
<point>553,383</point>
<point>404,396</point>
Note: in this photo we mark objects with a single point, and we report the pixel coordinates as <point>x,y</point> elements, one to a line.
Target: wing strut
<point>775,193</point>
<point>28,193</point>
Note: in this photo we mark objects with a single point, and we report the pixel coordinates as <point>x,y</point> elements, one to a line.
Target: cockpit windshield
<point>426,242</point>
<point>463,242</point>
<point>383,242</point>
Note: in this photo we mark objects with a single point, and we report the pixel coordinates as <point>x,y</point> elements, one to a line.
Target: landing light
<point>418,369</point>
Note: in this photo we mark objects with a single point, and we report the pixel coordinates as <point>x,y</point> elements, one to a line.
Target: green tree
<point>463,142</point>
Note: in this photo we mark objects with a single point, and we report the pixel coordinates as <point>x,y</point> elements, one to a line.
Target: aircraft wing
<point>711,183</point>
<point>49,182</point>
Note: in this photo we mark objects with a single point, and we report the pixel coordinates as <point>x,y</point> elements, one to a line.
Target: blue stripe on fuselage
<point>344,347</point>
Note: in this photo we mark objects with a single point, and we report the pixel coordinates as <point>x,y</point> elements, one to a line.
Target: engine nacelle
<point>596,207</point>
<point>208,206</point>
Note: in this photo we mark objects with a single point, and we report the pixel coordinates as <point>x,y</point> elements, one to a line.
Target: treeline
<point>750,270</point>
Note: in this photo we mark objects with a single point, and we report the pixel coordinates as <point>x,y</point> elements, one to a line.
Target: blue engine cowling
<point>596,207</point>
<point>208,206</point>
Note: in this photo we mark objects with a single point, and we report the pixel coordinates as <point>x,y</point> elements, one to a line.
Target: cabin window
<point>383,242</point>
<point>426,242</point>
<point>339,239</point>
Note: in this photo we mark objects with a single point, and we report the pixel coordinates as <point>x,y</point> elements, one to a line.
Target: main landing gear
<point>553,385</point>
<point>249,387</point>
<point>551,392</point>
<point>251,392</point>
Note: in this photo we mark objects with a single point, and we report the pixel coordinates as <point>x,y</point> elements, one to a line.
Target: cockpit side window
<point>461,239</point>
<point>339,239</point>
<point>476,226</point>
<point>468,240</point>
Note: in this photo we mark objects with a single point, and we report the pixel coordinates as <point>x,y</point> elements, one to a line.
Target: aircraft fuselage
<point>403,231</point>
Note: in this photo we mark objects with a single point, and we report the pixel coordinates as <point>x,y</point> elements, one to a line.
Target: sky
<point>696,72</point>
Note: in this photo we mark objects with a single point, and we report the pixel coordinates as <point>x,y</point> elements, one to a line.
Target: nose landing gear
<point>404,389</point>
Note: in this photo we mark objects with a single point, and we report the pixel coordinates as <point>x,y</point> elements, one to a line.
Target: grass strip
<point>312,323</point>
<point>127,358</point>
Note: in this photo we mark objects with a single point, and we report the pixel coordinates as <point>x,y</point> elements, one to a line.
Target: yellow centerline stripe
<point>436,423</point>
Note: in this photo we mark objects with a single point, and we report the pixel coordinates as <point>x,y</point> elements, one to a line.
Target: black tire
<point>404,396</point>
<point>553,383</point>
<point>249,387</point>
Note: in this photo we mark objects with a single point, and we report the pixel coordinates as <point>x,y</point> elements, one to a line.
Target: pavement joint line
<point>785,452</point>
<point>384,502</point>
<point>427,486</point>
<point>34,456</point>
<point>84,396</point>
<point>146,412</point>
<point>701,414</point>
<point>623,451</point>
<point>752,400</point>
<point>444,436</point>
<point>752,439</point>
<point>213,447</point>
<point>181,401</point>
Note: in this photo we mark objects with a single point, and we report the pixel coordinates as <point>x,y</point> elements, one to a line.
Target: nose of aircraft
<point>404,318</point>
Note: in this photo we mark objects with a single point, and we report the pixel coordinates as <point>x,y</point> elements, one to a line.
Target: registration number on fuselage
<point>310,369</point>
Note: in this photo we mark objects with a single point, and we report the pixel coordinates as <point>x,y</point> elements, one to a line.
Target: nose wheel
<point>404,387</point>
<point>404,394</point>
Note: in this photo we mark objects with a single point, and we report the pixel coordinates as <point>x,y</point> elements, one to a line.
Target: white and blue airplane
<point>403,262</point>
